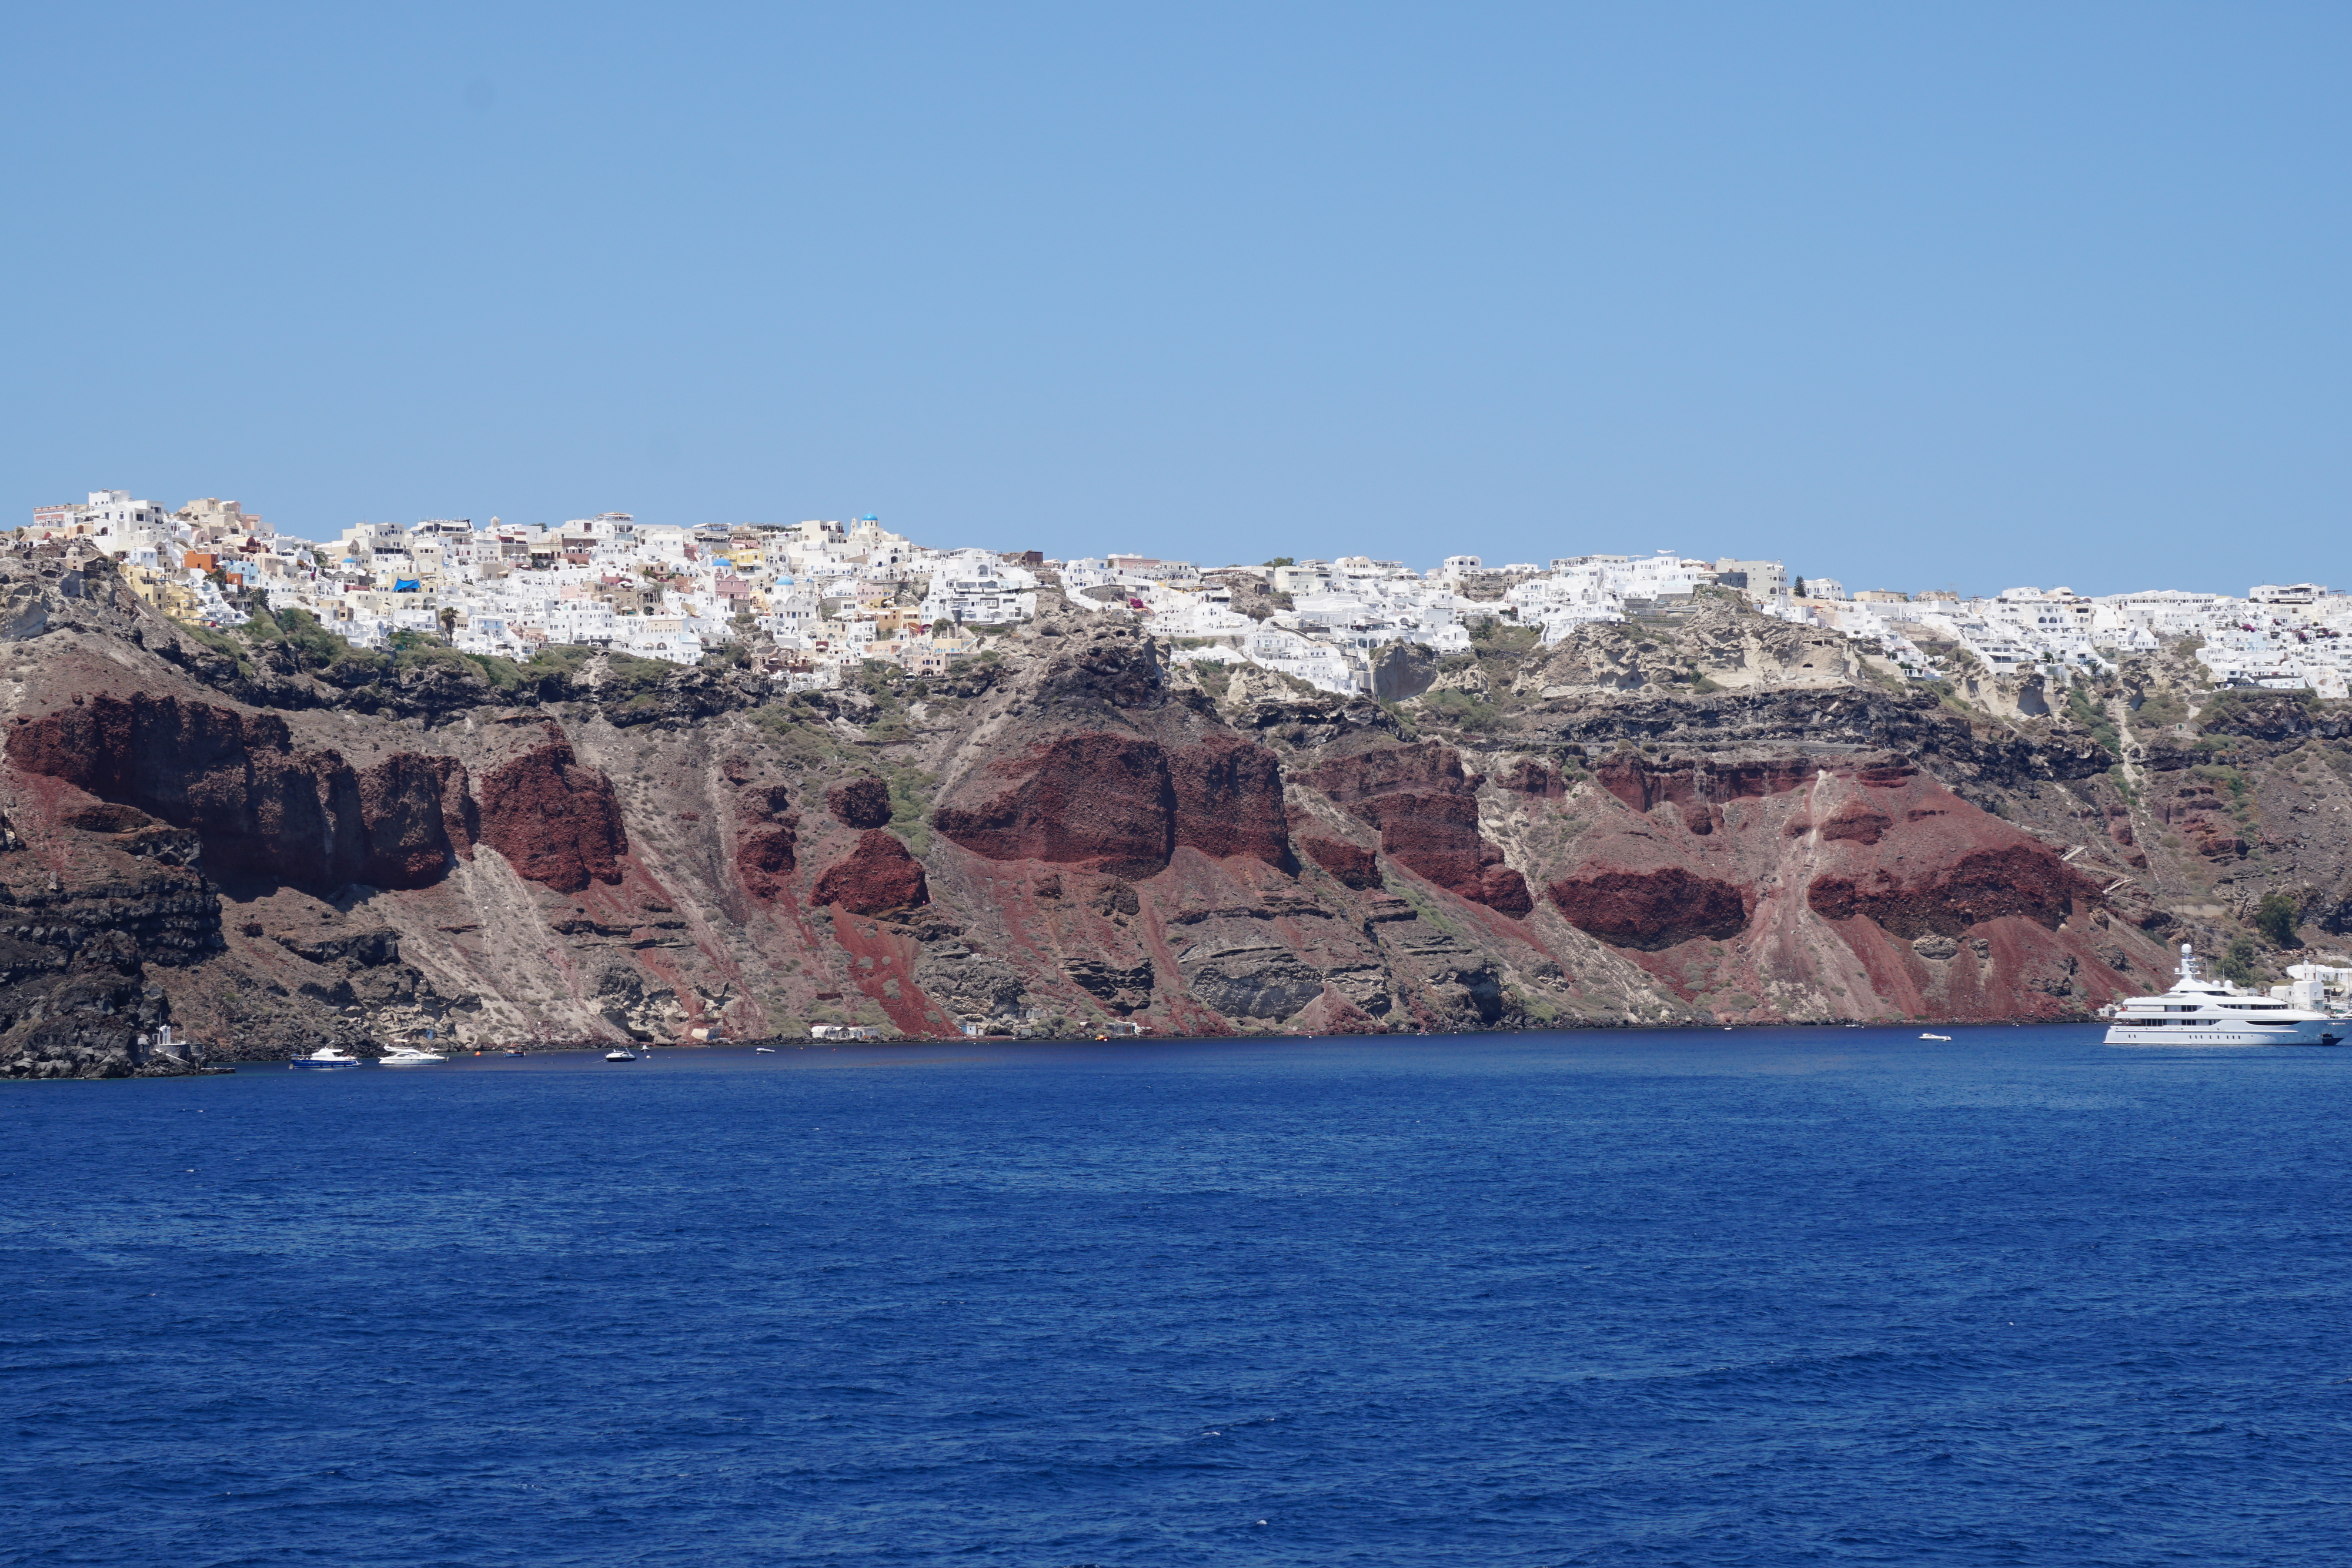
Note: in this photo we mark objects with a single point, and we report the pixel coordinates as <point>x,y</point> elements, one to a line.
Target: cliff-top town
<point>829,595</point>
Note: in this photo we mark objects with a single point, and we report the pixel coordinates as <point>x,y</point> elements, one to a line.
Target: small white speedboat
<point>408,1056</point>
<point>326,1056</point>
<point>763,1050</point>
<point>1942,1037</point>
<point>620,1056</point>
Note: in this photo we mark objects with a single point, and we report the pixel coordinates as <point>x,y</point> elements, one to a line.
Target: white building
<point>1762,581</point>
<point>110,513</point>
<point>977,587</point>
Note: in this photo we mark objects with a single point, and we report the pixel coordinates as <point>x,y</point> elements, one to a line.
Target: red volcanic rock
<point>1100,801</point>
<point>1355,866</point>
<point>878,876</point>
<point>764,860</point>
<point>106,818</point>
<point>1428,768</point>
<point>1228,800</point>
<point>409,803</point>
<point>1428,817</point>
<point>860,803</point>
<point>1533,776</point>
<point>1641,785</point>
<point>1857,821</point>
<point>1650,910</point>
<point>556,822</point>
<point>1503,890</point>
<point>1121,804</point>
<point>1437,836</point>
<point>766,855</point>
<point>261,805</point>
<point>2019,878</point>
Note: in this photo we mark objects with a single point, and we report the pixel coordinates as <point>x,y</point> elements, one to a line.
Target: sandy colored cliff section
<point>269,852</point>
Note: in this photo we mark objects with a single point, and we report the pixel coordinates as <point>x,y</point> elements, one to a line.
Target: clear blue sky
<point>1911,294</point>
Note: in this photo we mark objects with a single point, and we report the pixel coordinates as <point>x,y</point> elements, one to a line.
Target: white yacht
<point>407,1056</point>
<point>325,1056</point>
<point>2198,1011</point>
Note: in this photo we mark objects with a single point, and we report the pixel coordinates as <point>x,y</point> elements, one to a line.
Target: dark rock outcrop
<point>97,1017</point>
<point>768,851</point>
<point>1982,884</point>
<point>1353,864</point>
<point>260,804</point>
<point>860,803</point>
<point>1427,811</point>
<point>1122,805</point>
<point>878,876</point>
<point>1649,910</point>
<point>1099,669</point>
<point>555,821</point>
<point>1249,979</point>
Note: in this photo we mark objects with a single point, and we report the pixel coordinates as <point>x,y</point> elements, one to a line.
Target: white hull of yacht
<point>2316,1031</point>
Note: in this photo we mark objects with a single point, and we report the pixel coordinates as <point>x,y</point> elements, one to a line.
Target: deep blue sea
<point>1818,1296</point>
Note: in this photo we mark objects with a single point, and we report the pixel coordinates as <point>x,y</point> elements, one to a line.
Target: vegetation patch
<point>631,674</point>
<point>219,642</point>
<point>2092,716</point>
<point>2159,707</point>
<point>2275,918</point>
<point>1422,904</point>
<point>2240,962</point>
<point>1462,710</point>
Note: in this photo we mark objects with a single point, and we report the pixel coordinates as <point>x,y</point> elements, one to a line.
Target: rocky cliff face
<point>1722,820</point>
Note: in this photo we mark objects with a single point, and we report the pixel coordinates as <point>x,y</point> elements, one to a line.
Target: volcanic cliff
<point>271,841</point>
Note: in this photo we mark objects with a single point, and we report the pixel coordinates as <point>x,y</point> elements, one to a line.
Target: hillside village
<point>811,602</point>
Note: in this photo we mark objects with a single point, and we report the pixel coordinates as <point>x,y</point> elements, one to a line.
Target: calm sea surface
<point>1820,1296</point>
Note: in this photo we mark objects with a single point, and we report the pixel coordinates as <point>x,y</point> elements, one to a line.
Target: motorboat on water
<point>2198,1011</point>
<point>1945,1037</point>
<point>763,1050</point>
<point>620,1056</point>
<point>326,1056</point>
<point>407,1056</point>
<point>511,1052</point>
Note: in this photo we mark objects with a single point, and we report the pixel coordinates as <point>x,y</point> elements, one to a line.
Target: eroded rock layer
<point>1079,832</point>
<point>555,821</point>
<point>261,802</point>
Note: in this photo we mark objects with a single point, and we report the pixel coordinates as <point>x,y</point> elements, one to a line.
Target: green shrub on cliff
<point>2159,708</point>
<point>503,674</point>
<point>299,633</point>
<point>560,659</point>
<point>2092,716</point>
<point>911,791</point>
<point>1459,709</point>
<point>219,642</point>
<point>628,672</point>
<point>2239,962</point>
<point>1497,637</point>
<point>2276,919</point>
